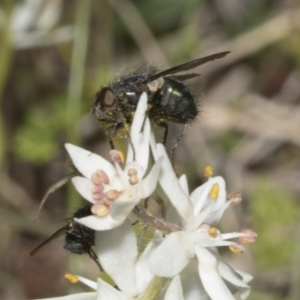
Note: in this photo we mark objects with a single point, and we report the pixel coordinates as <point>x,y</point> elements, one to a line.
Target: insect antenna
<point>52,189</point>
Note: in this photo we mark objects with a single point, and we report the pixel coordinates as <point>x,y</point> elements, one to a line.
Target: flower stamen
<point>133,178</point>
<point>235,197</point>
<point>214,192</point>
<point>97,192</point>
<point>112,195</point>
<point>100,209</point>
<point>249,236</point>
<point>116,156</point>
<point>237,249</point>
<point>208,171</point>
<point>213,232</point>
<point>71,277</point>
<point>100,177</point>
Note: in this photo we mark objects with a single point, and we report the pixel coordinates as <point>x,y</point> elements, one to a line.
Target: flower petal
<point>87,282</point>
<point>169,183</point>
<point>237,278</point>
<point>80,296</point>
<point>117,253</point>
<point>215,216</point>
<point>106,291</point>
<point>210,277</point>
<point>184,184</point>
<point>193,288</point>
<point>150,182</point>
<point>140,135</point>
<point>245,292</point>
<point>87,162</point>
<point>206,209</point>
<point>174,291</point>
<point>172,255</point>
<point>221,200</point>
<point>84,187</point>
<point>201,196</point>
<point>143,274</point>
<point>99,223</point>
<point>121,208</point>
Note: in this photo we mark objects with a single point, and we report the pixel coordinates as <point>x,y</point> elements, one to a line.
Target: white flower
<point>199,239</point>
<point>117,253</point>
<point>113,191</point>
<point>103,290</point>
<point>33,24</point>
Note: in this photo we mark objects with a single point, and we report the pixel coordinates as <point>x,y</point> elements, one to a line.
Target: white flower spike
<point>184,247</point>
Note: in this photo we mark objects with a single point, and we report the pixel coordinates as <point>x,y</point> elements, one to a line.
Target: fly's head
<point>105,107</point>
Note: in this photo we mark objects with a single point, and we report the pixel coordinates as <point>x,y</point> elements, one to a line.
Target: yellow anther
<point>214,192</point>
<point>235,197</point>
<point>133,180</point>
<point>71,277</point>
<point>213,232</point>
<point>117,156</point>
<point>237,249</point>
<point>102,176</point>
<point>208,171</point>
<point>112,194</point>
<point>249,236</point>
<point>100,209</point>
<point>131,172</point>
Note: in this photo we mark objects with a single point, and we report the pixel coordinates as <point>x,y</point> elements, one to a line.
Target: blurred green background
<point>55,55</point>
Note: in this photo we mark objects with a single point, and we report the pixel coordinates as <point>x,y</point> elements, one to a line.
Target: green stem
<point>6,55</point>
<point>75,88</point>
<point>154,289</point>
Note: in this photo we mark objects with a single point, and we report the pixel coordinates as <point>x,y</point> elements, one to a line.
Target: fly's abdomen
<point>174,103</point>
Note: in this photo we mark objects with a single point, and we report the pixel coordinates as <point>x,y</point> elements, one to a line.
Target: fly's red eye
<point>105,97</point>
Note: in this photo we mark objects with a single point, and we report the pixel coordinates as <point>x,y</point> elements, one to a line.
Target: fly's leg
<point>166,128</point>
<point>94,257</point>
<point>112,132</point>
<point>88,248</point>
<point>176,143</point>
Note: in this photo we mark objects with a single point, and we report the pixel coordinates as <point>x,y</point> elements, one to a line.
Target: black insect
<point>79,239</point>
<point>169,98</point>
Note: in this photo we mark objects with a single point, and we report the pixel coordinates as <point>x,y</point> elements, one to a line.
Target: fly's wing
<point>185,76</point>
<point>187,66</point>
<point>55,235</point>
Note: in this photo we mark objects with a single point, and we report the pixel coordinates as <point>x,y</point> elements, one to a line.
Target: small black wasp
<point>79,239</point>
<point>169,98</point>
